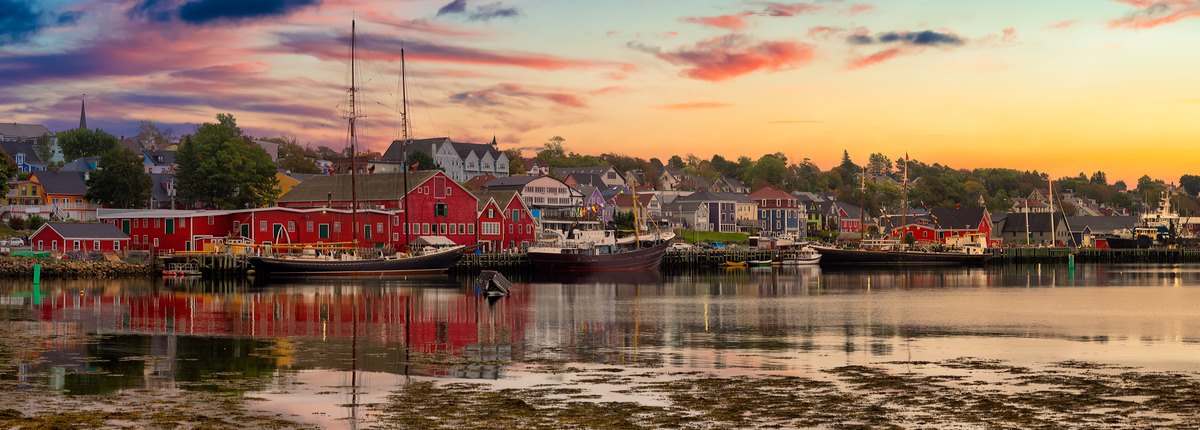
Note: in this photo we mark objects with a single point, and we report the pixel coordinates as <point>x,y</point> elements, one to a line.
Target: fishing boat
<point>600,250</point>
<point>316,260</point>
<point>806,257</point>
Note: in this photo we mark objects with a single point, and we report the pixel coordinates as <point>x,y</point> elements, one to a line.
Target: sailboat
<point>891,252</point>
<point>600,250</point>
<point>349,263</point>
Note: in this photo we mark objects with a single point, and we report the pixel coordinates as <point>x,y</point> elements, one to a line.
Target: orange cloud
<point>1063,25</point>
<point>823,32</point>
<point>694,106</point>
<point>1150,14</point>
<point>736,21</point>
<point>733,55</point>
<point>873,59</point>
<point>860,8</point>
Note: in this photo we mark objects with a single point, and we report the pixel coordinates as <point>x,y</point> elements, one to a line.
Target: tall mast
<point>1053,228</point>
<point>904,209</point>
<point>637,236</point>
<point>862,208</point>
<point>353,164</point>
<point>404,143</point>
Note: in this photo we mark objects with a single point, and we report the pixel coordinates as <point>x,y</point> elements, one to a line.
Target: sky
<point>1062,86</point>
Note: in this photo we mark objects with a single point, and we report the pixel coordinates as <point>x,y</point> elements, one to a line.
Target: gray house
<point>461,161</point>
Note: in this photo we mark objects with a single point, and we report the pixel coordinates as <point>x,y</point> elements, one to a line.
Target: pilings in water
<point>1093,255</point>
<point>210,264</point>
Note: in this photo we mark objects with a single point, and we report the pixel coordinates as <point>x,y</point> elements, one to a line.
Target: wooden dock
<point>1093,255</point>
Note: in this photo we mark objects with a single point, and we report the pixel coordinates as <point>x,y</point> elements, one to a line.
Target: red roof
<point>771,194</point>
<point>626,200</point>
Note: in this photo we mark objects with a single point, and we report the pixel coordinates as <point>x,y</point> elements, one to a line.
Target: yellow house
<point>288,180</point>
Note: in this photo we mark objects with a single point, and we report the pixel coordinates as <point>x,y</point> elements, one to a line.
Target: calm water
<point>312,351</point>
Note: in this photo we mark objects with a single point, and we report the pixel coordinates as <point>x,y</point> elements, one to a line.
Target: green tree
<point>299,164</point>
<point>43,147</point>
<point>769,170</point>
<point>675,162</point>
<point>421,160</point>
<point>76,143</point>
<point>120,181</point>
<point>1190,183</point>
<point>515,164</point>
<point>218,168</point>
<point>879,165</point>
<point>34,222</point>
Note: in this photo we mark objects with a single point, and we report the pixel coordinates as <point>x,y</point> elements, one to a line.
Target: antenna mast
<point>404,143</point>
<point>353,164</point>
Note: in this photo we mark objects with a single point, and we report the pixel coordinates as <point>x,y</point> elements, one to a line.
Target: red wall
<point>143,231</point>
<point>491,242</point>
<point>48,237</point>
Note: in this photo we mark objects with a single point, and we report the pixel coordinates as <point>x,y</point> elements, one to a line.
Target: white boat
<point>806,257</point>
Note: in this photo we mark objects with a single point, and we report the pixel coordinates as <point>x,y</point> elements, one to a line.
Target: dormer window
<point>19,158</point>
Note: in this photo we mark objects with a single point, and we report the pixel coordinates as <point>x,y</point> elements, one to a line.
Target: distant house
<point>288,180</point>
<point>61,196</point>
<point>730,185</point>
<point>23,154</point>
<point>939,225</point>
<point>690,215</point>
<point>669,178</point>
<point>722,209</point>
<point>158,161</point>
<point>608,175</point>
<point>84,164</point>
<point>648,207</point>
<point>461,161</point>
<point>816,210</point>
<point>847,217</point>
<point>535,167</point>
<point>553,203</point>
<point>1032,229</point>
<point>162,191</point>
<point>595,204</point>
<point>1085,230</point>
<point>504,221</point>
<point>70,237</point>
<point>271,148</point>
<point>779,213</point>
<point>479,181</point>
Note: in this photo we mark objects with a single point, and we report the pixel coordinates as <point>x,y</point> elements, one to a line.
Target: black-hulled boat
<point>842,256</point>
<point>596,259</point>
<point>428,264</point>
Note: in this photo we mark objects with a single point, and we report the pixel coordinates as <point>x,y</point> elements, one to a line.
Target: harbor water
<point>1091,346</point>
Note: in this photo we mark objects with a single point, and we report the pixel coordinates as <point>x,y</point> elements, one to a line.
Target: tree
<point>769,170</point>
<point>675,162</point>
<point>76,143</point>
<point>34,222</point>
<point>1190,183</point>
<point>299,164</point>
<point>8,170</point>
<point>516,165</point>
<point>150,135</point>
<point>43,147</point>
<point>421,160</point>
<point>879,165</point>
<point>120,181</point>
<point>219,169</point>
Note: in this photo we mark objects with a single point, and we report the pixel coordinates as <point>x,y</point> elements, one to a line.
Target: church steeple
<point>82,114</point>
<point>493,140</point>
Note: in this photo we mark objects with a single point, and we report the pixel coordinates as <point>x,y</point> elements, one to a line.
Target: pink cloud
<point>823,32</point>
<point>507,94</point>
<point>1063,25</point>
<point>733,55</point>
<point>873,59</point>
<point>790,9</point>
<point>735,21</point>
<point>694,106</point>
<point>1151,14</point>
<point>859,8</point>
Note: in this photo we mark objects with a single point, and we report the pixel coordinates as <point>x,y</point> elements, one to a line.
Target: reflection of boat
<point>832,256</point>
<point>587,278</point>
<point>344,261</point>
<point>806,257</point>
<point>178,270</point>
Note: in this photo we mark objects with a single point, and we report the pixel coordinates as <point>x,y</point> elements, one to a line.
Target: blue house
<point>779,213</point>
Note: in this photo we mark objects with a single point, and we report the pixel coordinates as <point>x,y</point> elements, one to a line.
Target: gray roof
<point>733,182</point>
<point>518,181</point>
<point>1101,224</point>
<point>709,196</point>
<point>958,218</point>
<point>589,170</point>
<point>465,149</point>
<point>805,196</point>
<point>158,186</point>
<point>1038,222</point>
<point>377,186</point>
<point>87,230</point>
<point>851,210</point>
<point>394,154</point>
<point>69,183</point>
<point>684,206</point>
<point>587,179</point>
<point>160,157</point>
<point>21,147</point>
<point>22,131</point>
<point>85,164</point>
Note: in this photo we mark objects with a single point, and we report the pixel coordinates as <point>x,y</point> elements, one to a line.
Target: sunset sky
<point>1061,86</point>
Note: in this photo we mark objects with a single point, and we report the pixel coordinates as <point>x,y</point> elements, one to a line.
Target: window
<point>367,231</point>
<point>308,227</point>
<point>442,228</point>
<point>378,226</point>
<point>291,226</point>
<point>156,242</point>
<point>262,226</point>
<point>470,228</point>
<point>510,229</point>
<point>440,209</point>
<point>117,245</point>
<point>157,222</point>
<point>54,245</point>
<point>516,215</point>
<point>40,246</point>
<point>145,239</point>
<point>395,221</point>
<point>211,221</point>
<point>170,229</point>
<point>453,228</point>
<point>424,228</point>
<point>490,228</point>
<point>462,228</point>
<point>395,237</point>
<point>337,226</point>
<point>324,233</point>
<point>76,245</point>
<point>95,245</point>
<point>491,213</point>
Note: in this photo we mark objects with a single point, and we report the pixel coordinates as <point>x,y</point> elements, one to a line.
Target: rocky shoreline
<point>11,267</point>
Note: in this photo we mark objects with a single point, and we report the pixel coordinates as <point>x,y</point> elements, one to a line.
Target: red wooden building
<point>504,221</point>
<point>940,224</point>
<point>64,237</point>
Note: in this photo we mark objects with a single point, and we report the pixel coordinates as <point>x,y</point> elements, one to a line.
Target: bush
<point>16,223</point>
<point>34,222</point>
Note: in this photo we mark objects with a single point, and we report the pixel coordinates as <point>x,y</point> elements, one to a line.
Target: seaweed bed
<point>958,393</point>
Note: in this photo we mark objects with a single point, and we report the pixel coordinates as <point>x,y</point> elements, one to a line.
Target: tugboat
<point>1155,229</point>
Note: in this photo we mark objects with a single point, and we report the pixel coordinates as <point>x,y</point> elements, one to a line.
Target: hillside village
<point>475,193</point>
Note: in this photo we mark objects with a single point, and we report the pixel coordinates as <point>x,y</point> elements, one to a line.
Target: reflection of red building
<point>435,322</point>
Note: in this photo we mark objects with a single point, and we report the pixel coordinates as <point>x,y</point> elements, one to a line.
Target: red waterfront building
<point>78,237</point>
<point>504,221</point>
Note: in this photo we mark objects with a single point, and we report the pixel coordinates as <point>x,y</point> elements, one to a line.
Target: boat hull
<point>836,256</point>
<point>431,264</point>
<point>1140,242</point>
<point>801,261</point>
<point>648,258</point>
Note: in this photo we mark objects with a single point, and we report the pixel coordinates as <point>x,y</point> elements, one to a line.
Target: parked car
<point>15,241</point>
<point>718,245</point>
<point>682,246</point>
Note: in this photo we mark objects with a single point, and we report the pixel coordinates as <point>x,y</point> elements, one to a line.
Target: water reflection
<point>292,344</point>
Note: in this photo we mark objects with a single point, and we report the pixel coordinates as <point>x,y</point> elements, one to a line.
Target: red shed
<point>79,237</point>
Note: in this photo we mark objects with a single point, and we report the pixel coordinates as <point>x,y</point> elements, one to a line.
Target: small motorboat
<point>806,257</point>
<point>734,264</point>
<point>760,263</point>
